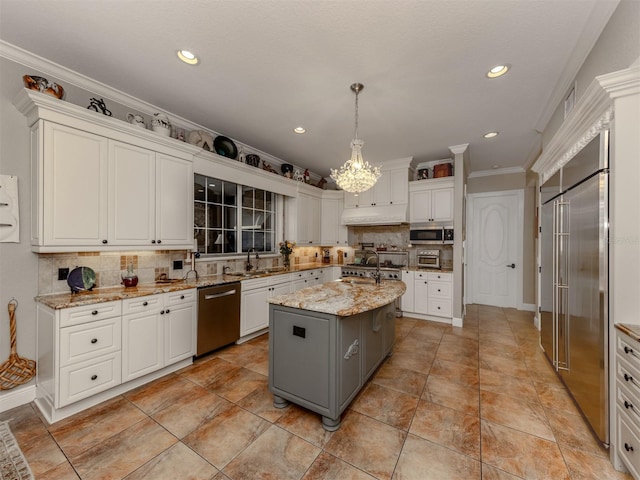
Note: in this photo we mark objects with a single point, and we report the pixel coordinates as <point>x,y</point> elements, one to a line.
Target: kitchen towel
<point>9,218</point>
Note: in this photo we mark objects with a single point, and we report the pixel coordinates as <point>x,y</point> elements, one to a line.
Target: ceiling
<point>269,66</point>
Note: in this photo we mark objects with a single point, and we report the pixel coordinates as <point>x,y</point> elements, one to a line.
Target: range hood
<point>378,215</point>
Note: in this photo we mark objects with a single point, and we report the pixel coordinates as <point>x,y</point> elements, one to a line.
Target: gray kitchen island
<point>326,341</point>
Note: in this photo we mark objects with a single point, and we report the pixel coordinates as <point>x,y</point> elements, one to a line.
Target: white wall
<point>18,265</point>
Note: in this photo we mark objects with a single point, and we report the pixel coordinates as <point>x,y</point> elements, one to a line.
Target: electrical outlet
<point>177,264</point>
<point>63,273</point>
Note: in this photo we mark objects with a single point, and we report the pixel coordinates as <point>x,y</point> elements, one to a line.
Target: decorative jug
<point>161,124</point>
<point>137,120</point>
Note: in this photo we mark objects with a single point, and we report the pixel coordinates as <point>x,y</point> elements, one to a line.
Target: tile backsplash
<point>150,265</point>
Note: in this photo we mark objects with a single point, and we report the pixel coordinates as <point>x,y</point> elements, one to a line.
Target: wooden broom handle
<point>13,304</point>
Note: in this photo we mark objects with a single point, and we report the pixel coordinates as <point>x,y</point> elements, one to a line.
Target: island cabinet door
<point>349,358</point>
<point>299,357</point>
<point>389,315</point>
<point>374,340</point>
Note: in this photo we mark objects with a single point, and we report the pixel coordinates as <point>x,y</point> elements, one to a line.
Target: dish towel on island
<point>13,465</point>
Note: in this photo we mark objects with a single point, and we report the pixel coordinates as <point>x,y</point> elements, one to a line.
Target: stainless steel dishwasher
<point>218,317</point>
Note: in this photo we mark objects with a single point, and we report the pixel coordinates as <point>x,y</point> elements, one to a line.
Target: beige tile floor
<point>451,403</point>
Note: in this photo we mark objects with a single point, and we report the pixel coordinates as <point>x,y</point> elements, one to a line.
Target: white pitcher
<point>137,120</point>
<point>161,124</point>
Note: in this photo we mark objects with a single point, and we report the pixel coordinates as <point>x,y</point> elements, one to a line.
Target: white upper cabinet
<point>70,201</point>
<point>174,201</point>
<point>431,201</point>
<point>99,183</point>
<point>303,216</point>
<point>332,232</point>
<point>132,194</point>
<point>390,189</point>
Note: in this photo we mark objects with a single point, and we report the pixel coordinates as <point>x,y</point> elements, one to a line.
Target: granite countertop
<point>345,297</point>
<point>108,294</point>
<point>632,330</point>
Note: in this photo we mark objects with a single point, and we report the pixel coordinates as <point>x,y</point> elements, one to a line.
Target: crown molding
<point>459,149</point>
<point>497,171</point>
<point>592,114</point>
<point>64,74</point>
<point>594,27</point>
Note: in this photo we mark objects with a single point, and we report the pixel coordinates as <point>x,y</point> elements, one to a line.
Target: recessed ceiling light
<point>188,57</point>
<point>491,134</point>
<point>497,71</point>
<point>300,130</point>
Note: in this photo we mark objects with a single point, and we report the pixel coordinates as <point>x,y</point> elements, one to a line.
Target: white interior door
<point>495,248</point>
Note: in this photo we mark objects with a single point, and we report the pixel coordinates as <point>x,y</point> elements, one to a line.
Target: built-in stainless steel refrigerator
<point>574,279</point>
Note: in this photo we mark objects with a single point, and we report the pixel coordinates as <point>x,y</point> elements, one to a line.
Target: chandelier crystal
<point>356,175</point>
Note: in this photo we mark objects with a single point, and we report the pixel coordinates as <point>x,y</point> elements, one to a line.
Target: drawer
<point>439,290</point>
<point>628,404</point>
<point>439,277</point>
<point>255,283</point>
<point>89,313</point>
<point>628,444</point>
<point>439,308</point>
<point>628,376</point>
<point>180,297</point>
<point>628,349</point>
<point>279,279</point>
<point>420,275</point>
<point>88,378</point>
<point>89,340</point>
<point>148,303</point>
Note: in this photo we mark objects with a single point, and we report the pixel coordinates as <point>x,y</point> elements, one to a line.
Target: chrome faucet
<point>249,265</point>
<point>376,274</point>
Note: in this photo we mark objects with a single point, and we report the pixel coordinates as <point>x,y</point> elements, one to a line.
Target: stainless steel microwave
<point>431,236</point>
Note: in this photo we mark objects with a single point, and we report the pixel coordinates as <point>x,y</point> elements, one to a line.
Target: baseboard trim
<point>536,322</point>
<point>456,322</point>
<point>18,397</point>
<point>528,307</point>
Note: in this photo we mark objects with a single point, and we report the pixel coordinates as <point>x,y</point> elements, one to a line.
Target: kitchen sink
<point>248,274</point>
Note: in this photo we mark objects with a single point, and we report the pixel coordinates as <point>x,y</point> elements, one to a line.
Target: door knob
<point>513,265</point>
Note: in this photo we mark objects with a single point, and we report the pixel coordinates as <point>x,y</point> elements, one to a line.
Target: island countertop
<point>343,297</point>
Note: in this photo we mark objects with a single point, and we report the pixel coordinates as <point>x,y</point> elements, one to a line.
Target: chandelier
<point>356,175</point>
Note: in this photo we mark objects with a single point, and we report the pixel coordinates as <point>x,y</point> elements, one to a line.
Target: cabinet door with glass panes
<point>231,218</point>
<point>258,212</point>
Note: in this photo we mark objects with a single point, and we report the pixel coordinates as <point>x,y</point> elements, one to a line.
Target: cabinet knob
<point>628,447</point>
<point>628,350</point>
<point>94,340</point>
<point>159,241</point>
<point>168,310</point>
<point>94,377</point>
<point>181,297</point>
<point>144,304</point>
<point>438,289</point>
<point>161,312</point>
<point>628,405</point>
<point>104,241</point>
<point>153,241</point>
<point>628,378</point>
<point>95,312</point>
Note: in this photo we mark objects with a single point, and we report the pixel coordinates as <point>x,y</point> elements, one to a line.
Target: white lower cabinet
<point>627,404</point>
<point>428,293</point>
<point>90,349</point>
<point>254,308</point>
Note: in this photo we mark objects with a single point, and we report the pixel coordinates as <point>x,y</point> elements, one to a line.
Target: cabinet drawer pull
<point>628,405</point>
<point>628,378</point>
<point>95,312</point>
<point>104,242</point>
<point>181,297</point>
<point>161,312</point>
<point>159,241</point>
<point>153,241</point>
<point>628,350</point>
<point>94,377</point>
<point>144,304</point>
<point>167,311</point>
<point>94,340</point>
<point>628,447</point>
